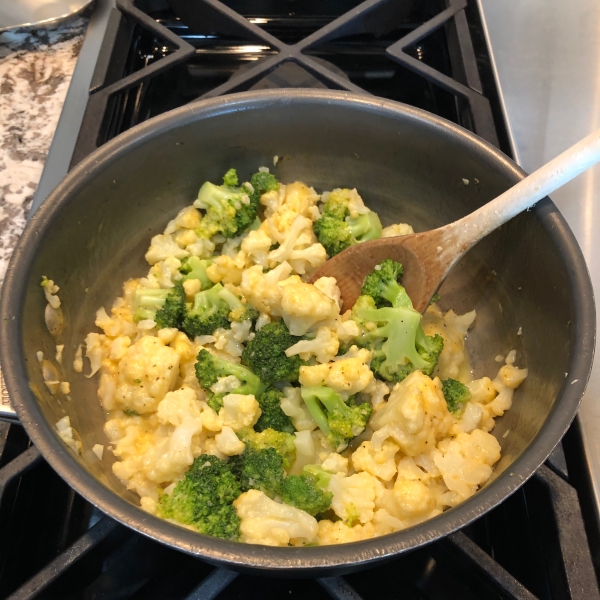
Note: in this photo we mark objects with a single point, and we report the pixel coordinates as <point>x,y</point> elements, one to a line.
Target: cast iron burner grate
<point>157,56</point>
<point>57,545</point>
<point>160,56</point>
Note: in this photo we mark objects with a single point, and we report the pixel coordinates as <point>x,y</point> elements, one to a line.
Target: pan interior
<point>405,168</point>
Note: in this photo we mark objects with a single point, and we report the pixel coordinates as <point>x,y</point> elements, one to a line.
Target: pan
<point>529,277</point>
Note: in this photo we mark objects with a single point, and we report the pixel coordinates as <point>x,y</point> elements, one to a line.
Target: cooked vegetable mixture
<point>245,403</point>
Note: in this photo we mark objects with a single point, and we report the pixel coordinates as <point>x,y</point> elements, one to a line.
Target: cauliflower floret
<point>241,332</point>
<point>145,374</point>
<point>298,245</point>
<point>299,198</point>
<point>306,453</point>
<point>239,411</point>
<point>324,347</point>
<point>106,391</point>
<point>111,327</point>
<point>65,432</point>
<point>96,348</point>
<point>182,345</point>
<point>261,289</point>
<point>397,229</point>
<point>178,406</point>
<point>272,200</point>
<point>345,328</point>
<point>508,379</point>
<point>482,390</point>
<point>226,269</point>
<point>187,218</point>
<point>415,416</point>
<point>378,390</point>
<point>379,463</point>
<point>264,521</point>
<point>335,463</point>
<point>353,497</point>
<point>344,375</point>
<point>329,286</point>
<point>228,443</point>
<point>162,247</point>
<point>303,305</point>
<point>172,455</point>
<point>225,385</point>
<point>469,419</point>
<point>295,408</point>
<point>225,341</point>
<point>385,523</point>
<point>168,334</point>
<point>185,238</point>
<point>211,421</point>
<point>413,498</point>
<point>339,533</point>
<point>408,470</point>
<point>256,246</point>
<point>118,347</point>
<point>453,361</point>
<point>166,272</point>
<point>200,247</point>
<point>466,462</point>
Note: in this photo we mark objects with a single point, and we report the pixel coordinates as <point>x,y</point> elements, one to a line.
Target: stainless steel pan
<point>409,166</point>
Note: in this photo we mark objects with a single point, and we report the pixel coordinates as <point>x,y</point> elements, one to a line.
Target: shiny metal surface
<point>38,13</point>
<point>546,56</point>
<point>91,233</point>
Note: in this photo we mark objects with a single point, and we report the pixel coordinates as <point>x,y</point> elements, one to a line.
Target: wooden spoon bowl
<point>429,256</point>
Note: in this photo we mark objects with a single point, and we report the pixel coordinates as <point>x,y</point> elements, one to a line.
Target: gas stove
<point>143,58</point>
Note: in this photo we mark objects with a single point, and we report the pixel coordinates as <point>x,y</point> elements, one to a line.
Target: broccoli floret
<point>338,421</point>
<point>231,210</point>
<point>270,438</point>
<point>238,311</point>
<point>195,268</point>
<point>272,417</point>
<point>208,370</point>
<point>337,230</point>
<point>204,497</point>
<point>399,343</point>
<point>306,492</point>
<point>263,183</point>
<point>382,285</point>
<point>265,354</point>
<point>259,469</point>
<point>319,474</point>
<point>207,313</point>
<point>166,307</point>
<point>457,394</point>
<point>231,178</point>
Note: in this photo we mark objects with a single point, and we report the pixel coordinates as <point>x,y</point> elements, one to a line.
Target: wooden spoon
<point>429,256</point>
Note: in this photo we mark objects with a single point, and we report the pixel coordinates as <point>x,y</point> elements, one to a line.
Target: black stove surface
<point>157,56</point>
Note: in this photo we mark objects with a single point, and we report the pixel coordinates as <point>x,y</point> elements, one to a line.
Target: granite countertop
<point>35,72</point>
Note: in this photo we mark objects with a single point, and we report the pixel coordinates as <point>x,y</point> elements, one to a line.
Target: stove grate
<point>116,100</point>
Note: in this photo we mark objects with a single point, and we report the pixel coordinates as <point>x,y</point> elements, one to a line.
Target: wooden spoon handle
<point>470,229</point>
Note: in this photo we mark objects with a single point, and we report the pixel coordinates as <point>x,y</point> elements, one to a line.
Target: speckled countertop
<point>35,72</point>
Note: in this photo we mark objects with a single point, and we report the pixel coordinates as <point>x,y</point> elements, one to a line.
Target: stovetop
<point>143,58</point>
